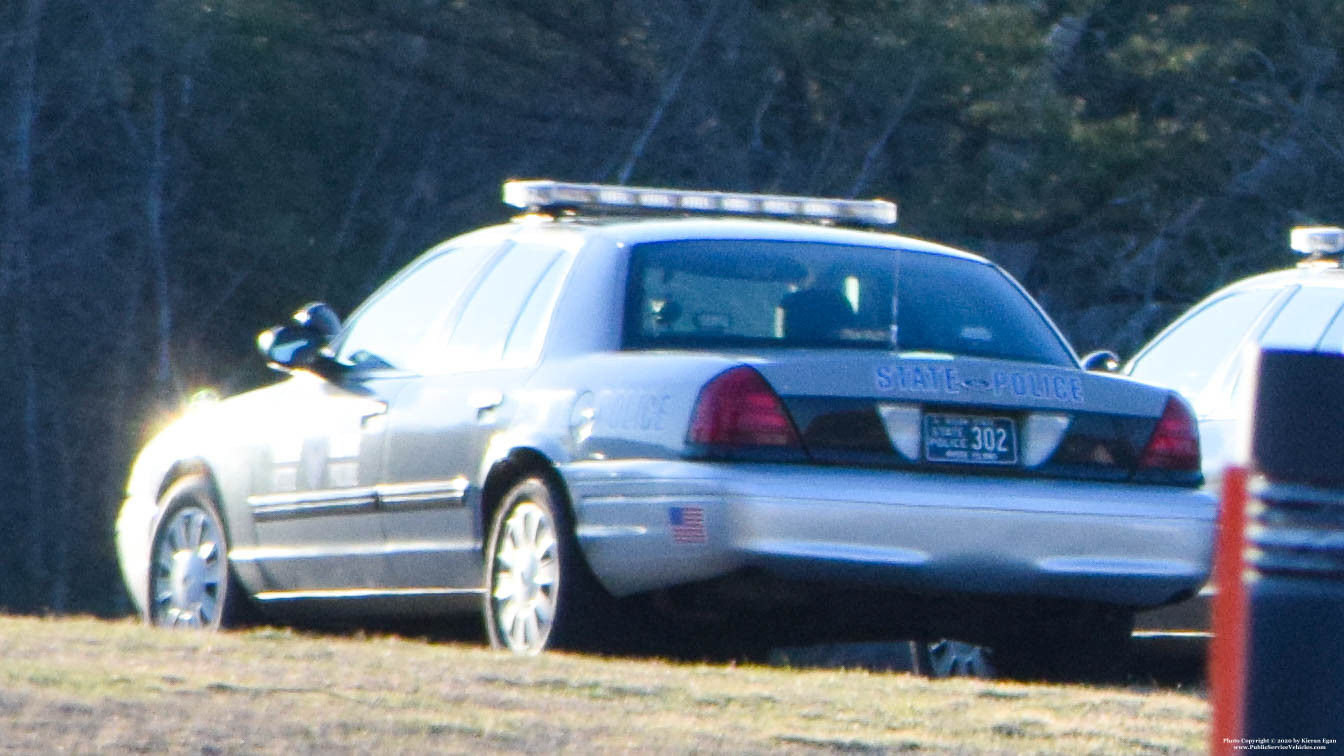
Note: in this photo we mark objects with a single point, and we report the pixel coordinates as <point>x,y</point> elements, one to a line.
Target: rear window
<point>716,294</point>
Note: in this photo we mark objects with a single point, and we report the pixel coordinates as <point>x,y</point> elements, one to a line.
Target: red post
<point>1227,652</point>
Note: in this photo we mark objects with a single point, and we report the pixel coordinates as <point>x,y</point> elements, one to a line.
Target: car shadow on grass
<point>1158,663</point>
<point>1167,663</point>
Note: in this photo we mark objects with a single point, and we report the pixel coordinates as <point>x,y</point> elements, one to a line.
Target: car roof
<point>1319,274</point>
<point>644,229</point>
<point>1326,275</point>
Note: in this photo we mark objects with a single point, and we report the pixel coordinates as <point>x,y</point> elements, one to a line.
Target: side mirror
<point>300,345</point>
<point>290,347</point>
<point>320,318</point>
<point>1103,360</point>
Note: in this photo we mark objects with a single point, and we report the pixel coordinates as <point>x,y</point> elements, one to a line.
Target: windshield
<point>716,294</point>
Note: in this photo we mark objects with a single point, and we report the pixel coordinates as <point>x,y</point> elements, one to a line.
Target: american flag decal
<point>688,524</point>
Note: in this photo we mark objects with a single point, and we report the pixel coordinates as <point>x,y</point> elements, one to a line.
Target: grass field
<point>88,686</point>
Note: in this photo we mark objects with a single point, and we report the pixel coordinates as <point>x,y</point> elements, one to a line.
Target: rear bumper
<point>650,524</point>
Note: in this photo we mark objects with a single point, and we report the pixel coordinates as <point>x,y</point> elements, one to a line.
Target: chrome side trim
<point>281,506</point>
<point>362,593</point>
<point>1192,634</point>
<point>399,497</point>
<point>422,495</point>
<point>282,553</point>
<point>651,499</point>
<point>611,531</point>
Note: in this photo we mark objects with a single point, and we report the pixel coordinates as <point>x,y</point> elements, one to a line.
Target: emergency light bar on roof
<point>551,195</point>
<point>1315,242</point>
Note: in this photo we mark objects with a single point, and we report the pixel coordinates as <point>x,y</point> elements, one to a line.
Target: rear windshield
<point>724,294</point>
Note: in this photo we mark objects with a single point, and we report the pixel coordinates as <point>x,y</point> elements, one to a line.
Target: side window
<point>391,327</point>
<point>495,306</point>
<point>525,339</point>
<point>1333,340</point>
<point>1187,356</point>
<point>1301,322</point>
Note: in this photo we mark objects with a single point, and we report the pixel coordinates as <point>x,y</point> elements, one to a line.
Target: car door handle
<point>374,412</point>
<point>485,403</point>
<point>482,401</point>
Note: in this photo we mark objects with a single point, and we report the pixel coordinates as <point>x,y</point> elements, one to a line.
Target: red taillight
<point>738,408</point>
<point>1174,444</point>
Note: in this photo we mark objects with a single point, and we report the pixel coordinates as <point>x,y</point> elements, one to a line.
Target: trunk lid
<point>968,415</point>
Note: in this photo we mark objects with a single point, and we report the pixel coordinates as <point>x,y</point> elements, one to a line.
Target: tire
<point>191,583</point>
<point>946,657</point>
<point>539,591</point>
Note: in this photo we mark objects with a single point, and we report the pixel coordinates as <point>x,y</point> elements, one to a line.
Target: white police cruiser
<point>707,415</point>
<point>1208,355</point>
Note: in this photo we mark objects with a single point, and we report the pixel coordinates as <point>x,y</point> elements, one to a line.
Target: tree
<point>179,176</point>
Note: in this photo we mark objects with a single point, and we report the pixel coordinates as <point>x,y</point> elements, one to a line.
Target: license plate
<point>970,439</point>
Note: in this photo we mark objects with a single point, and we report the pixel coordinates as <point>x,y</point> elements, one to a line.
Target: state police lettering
<point>948,380</point>
<point>633,411</point>
<point>919,378</point>
<point>1039,385</point>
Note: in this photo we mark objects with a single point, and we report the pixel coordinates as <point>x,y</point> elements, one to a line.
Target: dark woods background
<point>177,176</point>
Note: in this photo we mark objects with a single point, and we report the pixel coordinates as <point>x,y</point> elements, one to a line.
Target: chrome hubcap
<point>188,571</point>
<point>526,572</point>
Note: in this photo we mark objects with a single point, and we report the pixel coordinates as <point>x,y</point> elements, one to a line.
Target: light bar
<point>544,195</point>
<point>1317,241</point>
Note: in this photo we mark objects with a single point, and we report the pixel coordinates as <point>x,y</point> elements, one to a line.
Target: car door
<point>439,428</point>
<point>313,503</point>
<point>316,498</point>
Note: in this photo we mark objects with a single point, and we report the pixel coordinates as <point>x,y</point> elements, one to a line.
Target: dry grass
<point>77,685</point>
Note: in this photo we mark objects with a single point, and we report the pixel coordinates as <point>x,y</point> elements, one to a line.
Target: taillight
<point>1174,444</point>
<point>738,408</point>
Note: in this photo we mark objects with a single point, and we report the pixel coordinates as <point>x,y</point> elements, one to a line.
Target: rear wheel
<point>190,582</point>
<point>539,592</point>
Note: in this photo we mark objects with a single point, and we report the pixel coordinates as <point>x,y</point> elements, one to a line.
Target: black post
<point>1294,559</point>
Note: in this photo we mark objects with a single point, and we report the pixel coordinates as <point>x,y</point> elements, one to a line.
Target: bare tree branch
<point>670,90</point>
<point>893,120</point>
<point>361,184</point>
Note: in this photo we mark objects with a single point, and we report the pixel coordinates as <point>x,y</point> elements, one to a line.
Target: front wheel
<point>539,592</point>
<point>190,583</point>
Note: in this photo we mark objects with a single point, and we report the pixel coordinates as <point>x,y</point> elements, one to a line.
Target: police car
<point>702,414</point>
<point>1208,355</point>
